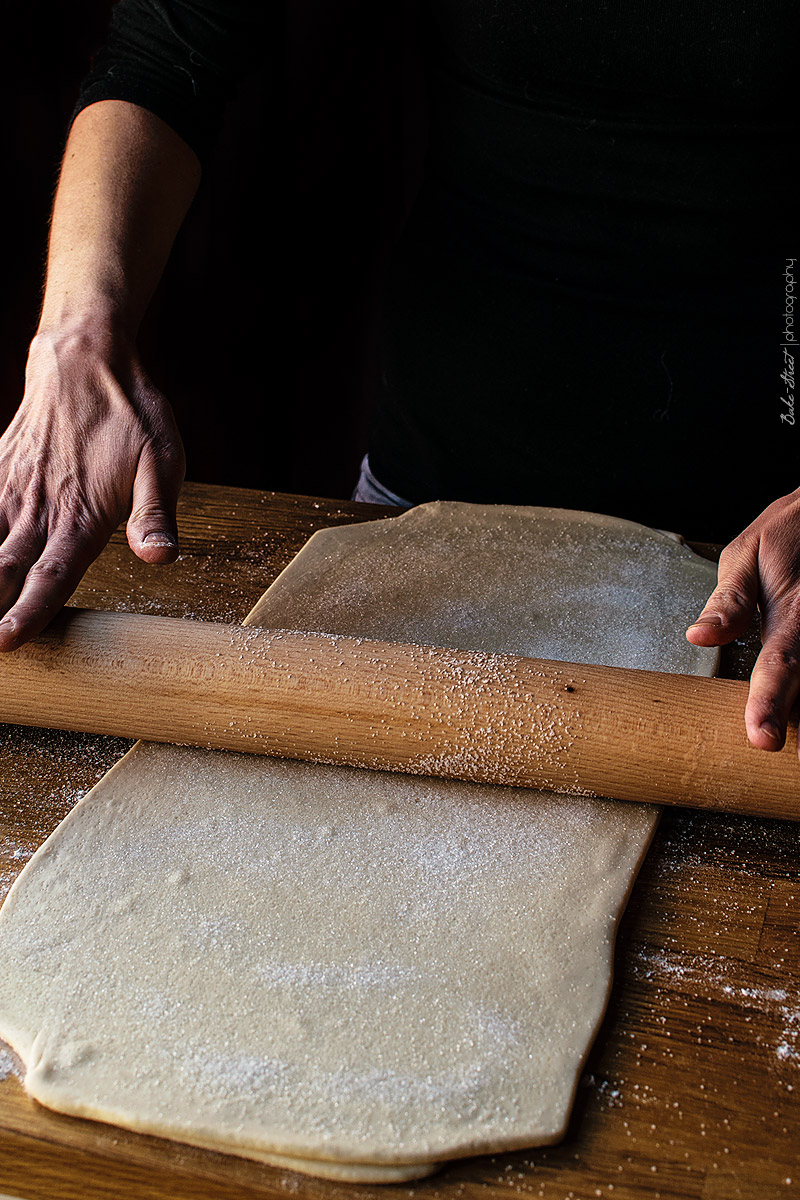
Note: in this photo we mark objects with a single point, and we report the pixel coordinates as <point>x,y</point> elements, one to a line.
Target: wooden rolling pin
<point>491,718</point>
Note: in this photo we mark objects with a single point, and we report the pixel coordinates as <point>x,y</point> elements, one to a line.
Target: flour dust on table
<point>354,973</point>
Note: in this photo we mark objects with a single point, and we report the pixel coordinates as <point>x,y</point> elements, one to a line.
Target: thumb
<point>152,526</point>
<point>775,680</point>
<point>732,605</point>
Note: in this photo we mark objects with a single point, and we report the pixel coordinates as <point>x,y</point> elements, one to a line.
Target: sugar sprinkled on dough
<point>309,961</point>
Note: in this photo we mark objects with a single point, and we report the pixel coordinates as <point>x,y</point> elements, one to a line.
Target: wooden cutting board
<point>693,1087</point>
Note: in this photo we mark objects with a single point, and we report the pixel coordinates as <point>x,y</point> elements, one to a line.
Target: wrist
<point>94,330</point>
<point>95,313</point>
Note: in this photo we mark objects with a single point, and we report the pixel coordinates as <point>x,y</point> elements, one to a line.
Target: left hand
<point>760,569</point>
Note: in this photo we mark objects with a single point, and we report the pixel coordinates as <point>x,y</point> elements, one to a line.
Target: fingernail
<point>708,619</point>
<point>770,728</point>
<point>7,625</point>
<point>158,539</point>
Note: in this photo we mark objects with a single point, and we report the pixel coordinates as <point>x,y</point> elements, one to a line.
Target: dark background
<point>263,333</point>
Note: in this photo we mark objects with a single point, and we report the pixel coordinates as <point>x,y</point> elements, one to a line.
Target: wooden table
<point>693,1086</point>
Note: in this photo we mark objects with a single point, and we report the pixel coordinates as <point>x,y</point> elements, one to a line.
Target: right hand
<point>92,441</point>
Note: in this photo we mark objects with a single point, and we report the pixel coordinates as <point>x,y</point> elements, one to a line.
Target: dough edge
<point>383,1169</point>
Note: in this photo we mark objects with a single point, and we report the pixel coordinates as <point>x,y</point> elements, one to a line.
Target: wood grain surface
<point>389,706</point>
<point>692,1089</point>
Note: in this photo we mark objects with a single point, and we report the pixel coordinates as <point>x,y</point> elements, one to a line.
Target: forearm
<point>125,185</point>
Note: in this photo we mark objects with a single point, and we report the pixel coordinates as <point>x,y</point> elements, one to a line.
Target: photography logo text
<point>788,344</point>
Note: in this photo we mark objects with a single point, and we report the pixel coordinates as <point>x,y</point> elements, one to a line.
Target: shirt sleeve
<point>180,59</point>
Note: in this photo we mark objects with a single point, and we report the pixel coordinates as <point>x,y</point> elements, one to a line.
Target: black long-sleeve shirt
<point>180,60</point>
<point>585,307</point>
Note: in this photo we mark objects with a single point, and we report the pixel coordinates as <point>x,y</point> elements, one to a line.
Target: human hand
<point>760,569</point>
<point>91,441</point>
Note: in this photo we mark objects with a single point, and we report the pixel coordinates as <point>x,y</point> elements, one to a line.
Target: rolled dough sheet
<point>356,974</point>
